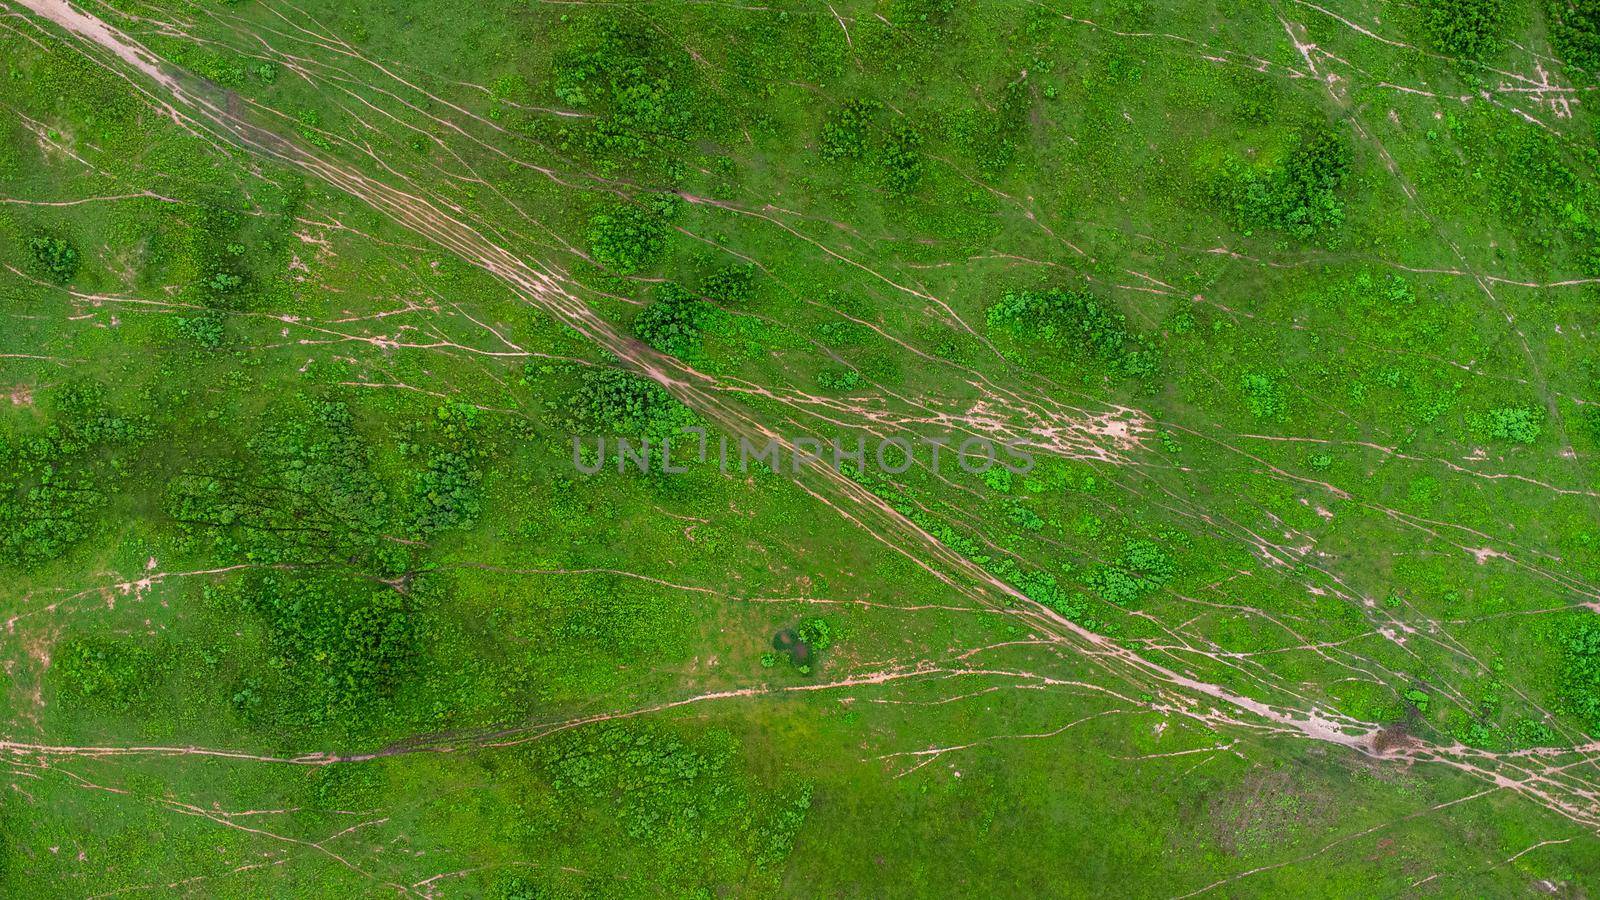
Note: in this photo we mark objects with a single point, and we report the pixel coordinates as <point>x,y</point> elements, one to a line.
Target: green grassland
<point>1294,305</point>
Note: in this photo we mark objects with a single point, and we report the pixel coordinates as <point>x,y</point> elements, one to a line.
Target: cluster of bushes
<point>105,673</point>
<point>1040,587</point>
<point>860,131</point>
<point>643,92</point>
<point>1470,29</point>
<point>990,137</point>
<point>801,644</point>
<point>1074,320</point>
<point>447,491</point>
<point>900,42</point>
<point>675,322</point>
<point>628,237</point>
<point>733,284</point>
<point>1575,31</point>
<point>206,329</point>
<point>1531,181</point>
<point>684,807</point>
<point>1264,396</point>
<point>1299,196</point>
<point>335,540</point>
<point>309,493</point>
<point>616,402</point>
<point>1580,673</point>
<point>843,381</point>
<point>306,495</point>
<point>336,643</point>
<point>54,258</point>
<point>91,94</point>
<point>1142,568</point>
<point>225,281</point>
<point>1517,424</point>
<point>52,483</point>
<point>1256,95</point>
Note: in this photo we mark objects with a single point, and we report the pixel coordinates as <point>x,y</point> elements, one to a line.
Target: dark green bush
<point>1299,197</point>
<point>627,238</point>
<point>1575,31</point>
<point>54,258</point>
<point>730,284</point>
<point>626,404</point>
<point>1075,320</point>
<point>1470,29</point>
<point>105,673</point>
<point>674,322</point>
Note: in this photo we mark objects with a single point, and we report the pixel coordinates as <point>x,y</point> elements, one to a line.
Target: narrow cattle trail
<point>1544,778</point>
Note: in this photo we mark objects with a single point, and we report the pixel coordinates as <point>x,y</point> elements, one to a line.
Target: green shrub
<point>899,160</point>
<point>448,494</point>
<point>1264,396</point>
<point>1142,568</point>
<point>847,131</point>
<point>1580,672</point>
<point>816,633</point>
<point>844,380</point>
<point>52,483</point>
<point>205,329</point>
<point>730,284</point>
<point>340,645</point>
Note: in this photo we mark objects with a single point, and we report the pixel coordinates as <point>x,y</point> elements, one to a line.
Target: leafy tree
<point>1417,698</point>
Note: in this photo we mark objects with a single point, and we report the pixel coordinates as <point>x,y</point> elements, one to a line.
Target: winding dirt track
<point>1546,777</point>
